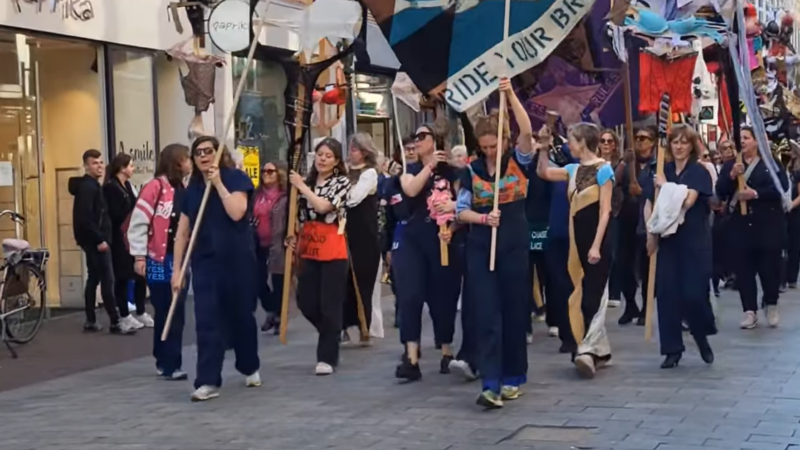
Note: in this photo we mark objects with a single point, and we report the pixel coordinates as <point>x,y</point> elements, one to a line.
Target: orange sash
<point>322,242</point>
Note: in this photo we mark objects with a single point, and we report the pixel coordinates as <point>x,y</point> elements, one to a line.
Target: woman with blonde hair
<point>500,296</point>
<point>269,218</point>
<point>684,258</point>
<point>362,233</point>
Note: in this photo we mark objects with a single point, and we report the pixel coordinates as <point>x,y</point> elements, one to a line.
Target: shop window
<point>134,110</point>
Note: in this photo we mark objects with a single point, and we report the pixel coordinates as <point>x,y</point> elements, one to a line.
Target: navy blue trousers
<point>501,300</point>
<point>556,261</point>
<point>223,317</point>
<point>168,354</point>
<point>421,279</point>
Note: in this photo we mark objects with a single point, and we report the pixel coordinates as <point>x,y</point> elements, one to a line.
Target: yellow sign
<point>252,163</point>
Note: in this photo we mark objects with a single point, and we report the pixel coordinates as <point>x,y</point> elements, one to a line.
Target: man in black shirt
<point>92,229</point>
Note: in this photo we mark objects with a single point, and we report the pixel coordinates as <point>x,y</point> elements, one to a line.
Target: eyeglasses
<point>422,135</point>
<point>204,151</point>
<point>643,137</point>
<point>606,141</point>
<point>269,171</point>
<point>704,156</point>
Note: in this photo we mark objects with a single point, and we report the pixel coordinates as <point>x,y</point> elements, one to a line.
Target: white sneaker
<point>529,338</point>
<point>128,324</point>
<point>323,369</point>
<point>552,332</point>
<point>204,393</point>
<point>614,303</point>
<point>585,365</point>
<point>253,380</point>
<point>145,320</point>
<point>178,375</point>
<point>463,367</point>
<point>540,318</point>
<point>750,321</point>
<point>773,319</point>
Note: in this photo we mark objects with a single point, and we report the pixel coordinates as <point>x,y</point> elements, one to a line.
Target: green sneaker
<point>510,392</point>
<point>490,400</point>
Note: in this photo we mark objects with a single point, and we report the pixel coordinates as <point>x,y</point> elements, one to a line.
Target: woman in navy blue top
<point>684,258</point>
<point>223,267</point>
<point>501,297</point>
<point>416,258</point>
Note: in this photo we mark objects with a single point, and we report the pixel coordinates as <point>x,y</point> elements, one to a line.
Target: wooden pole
<point>651,273</point>
<point>217,157</point>
<point>399,133</point>
<point>500,128</point>
<point>445,256</point>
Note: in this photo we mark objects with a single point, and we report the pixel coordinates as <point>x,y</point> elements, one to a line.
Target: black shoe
<point>671,361</point>
<point>269,324</point>
<point>444,365</point>
<point>626,319</point>
<point>117,329</point>
<point>640,321</point>
<point>407,371</point>
<point>684,326</point>
<point>566,349</point>
<point>92,327</point>
<point>705,349</point>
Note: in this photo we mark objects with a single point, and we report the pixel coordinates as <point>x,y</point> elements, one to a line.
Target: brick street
<point>749,399</point>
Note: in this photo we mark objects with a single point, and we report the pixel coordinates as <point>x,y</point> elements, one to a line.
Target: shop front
<point>74,76</point>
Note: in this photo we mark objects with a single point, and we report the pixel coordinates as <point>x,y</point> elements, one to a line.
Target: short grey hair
<point>588,133</point>
<point>364,142</point>
<point>459,150</point>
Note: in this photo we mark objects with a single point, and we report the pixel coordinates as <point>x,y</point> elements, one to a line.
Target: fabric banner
<point>462,41</point>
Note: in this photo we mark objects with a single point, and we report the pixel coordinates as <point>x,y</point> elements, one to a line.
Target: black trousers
<point>537,264</point>
<point>101,272</point>
<point>139,295</point>
<point>793,249</point>
<point>634,266</point>
<point>556,259</point>
<point>764,262</point>
<point>321,289</point>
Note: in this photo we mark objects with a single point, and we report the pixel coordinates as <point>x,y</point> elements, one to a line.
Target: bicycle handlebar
<point>16,217</point>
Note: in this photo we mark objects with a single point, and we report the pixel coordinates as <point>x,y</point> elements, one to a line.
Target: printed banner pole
<point>217,157</point>
<point>500,142</point>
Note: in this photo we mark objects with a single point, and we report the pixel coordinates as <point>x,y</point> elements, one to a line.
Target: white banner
<point>525,49</point>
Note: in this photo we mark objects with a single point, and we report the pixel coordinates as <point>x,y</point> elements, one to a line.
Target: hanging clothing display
<point>658,76</point>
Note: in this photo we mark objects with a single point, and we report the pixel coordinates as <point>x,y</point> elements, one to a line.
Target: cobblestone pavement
<point>749,399</point>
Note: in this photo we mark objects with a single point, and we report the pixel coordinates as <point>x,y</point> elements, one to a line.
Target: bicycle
<point>22,268</point>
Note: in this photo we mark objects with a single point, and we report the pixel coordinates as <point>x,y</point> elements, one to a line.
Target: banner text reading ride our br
<point>456,48</point>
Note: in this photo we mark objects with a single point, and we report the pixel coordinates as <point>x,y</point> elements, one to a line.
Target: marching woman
<point>761,233</point>
<point>416,258</point>
<point>223,268</point>
<point>610,151</point>
<point>151,235</point>
<point>591,184</point>
<point>269,217</point>
<point>684,257</point>
<point>322,249</point>
<point>362,233</point>
<point>500,297</point>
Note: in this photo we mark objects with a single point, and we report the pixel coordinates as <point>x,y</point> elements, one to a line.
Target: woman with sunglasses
<point>416,258</point>
<point>223,267</point>
<point>501,298</point>
<point>269,218</point>
<point>684,258</point>
<point>610,151</point>
<point>632,250</point>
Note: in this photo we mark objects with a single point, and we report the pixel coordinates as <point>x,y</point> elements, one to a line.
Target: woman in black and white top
<point>362,230</point>
<point>322,283</point>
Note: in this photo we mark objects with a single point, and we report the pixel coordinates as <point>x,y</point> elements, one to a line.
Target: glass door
<point>20,162</point>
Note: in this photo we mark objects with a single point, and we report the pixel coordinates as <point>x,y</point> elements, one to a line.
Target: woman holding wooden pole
<point>500,296</point>
<point>684,258</point>
<point>591,184</point>
<point>223,268</point>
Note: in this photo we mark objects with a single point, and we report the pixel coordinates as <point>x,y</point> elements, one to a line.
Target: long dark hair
<point>120,161</point>
<point>335,147</point>
<point>169,162</point>
<point>226,161</point>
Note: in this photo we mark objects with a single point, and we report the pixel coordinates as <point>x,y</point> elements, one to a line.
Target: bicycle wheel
<point>24,301</point>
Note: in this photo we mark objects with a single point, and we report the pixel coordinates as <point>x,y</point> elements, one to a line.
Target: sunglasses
<point>643,137</point>
<point>606,141</point>
<point>422,135</point>
<point>705,156</point>
<point>204,151</point>
<point>269,171</point>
